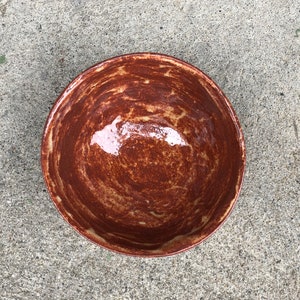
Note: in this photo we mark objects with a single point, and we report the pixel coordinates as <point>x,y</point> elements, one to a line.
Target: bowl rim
<point>241,141</point>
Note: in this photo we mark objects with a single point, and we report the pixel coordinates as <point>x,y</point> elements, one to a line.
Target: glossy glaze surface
<point>143,154</point>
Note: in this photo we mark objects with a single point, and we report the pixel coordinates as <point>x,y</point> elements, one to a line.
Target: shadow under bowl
<point>143,154</point>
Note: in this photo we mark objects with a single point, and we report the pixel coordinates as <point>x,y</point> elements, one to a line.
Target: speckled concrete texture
<point>250,48</point>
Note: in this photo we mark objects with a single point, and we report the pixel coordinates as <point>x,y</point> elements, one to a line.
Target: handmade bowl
<point>143,154</point>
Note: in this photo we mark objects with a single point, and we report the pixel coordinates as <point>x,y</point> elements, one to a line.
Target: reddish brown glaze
<point>143,154</point>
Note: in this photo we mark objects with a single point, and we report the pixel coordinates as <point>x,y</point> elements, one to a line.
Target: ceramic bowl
<point>143,154</point>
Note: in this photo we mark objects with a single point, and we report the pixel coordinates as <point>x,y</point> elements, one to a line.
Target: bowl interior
<point>143,154</point>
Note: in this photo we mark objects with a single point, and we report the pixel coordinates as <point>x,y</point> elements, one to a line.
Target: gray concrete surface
<point>250,48</point>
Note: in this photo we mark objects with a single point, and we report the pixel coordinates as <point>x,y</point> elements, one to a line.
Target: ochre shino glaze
<point>143,154</point>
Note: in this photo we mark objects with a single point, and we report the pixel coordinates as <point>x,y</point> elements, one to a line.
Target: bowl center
<point>148,164</point>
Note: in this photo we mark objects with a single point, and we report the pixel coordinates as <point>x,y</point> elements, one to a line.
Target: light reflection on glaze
<point>111,137</point>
